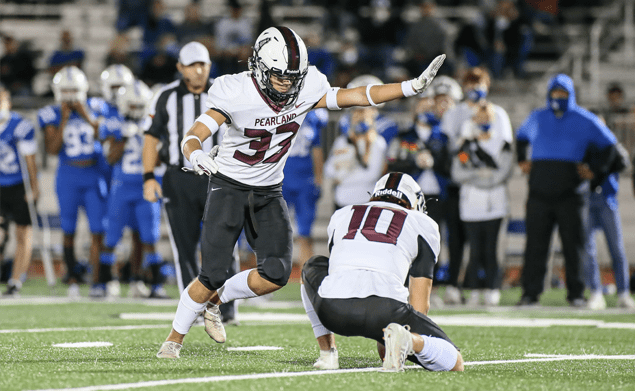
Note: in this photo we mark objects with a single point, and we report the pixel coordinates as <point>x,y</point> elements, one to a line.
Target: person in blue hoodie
<point>569,146</point>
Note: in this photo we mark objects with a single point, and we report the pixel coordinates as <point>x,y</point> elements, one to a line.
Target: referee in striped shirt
<point>173,111</point>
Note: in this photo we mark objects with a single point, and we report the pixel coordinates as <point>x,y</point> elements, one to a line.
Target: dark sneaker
<point>578,303</point>
<point>527,301</point>
<point>159,293</point>
<point>12,291</point>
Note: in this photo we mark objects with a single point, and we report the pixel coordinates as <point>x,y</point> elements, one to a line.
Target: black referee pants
<point>542,215</point>
<point>185,195</point>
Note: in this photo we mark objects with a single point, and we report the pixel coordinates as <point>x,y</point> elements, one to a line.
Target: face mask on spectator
<point>560,105</point>
<point>428,118</point>
<point>476,94</point>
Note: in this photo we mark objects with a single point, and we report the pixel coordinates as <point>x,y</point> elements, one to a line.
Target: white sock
<point>437,354</point>
<point>236,288</point>
<point>318,329</point>
<point>186,313</point>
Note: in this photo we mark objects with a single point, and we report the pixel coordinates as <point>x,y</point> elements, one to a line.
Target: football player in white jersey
<point>360,290</point>
<point>264,108</point>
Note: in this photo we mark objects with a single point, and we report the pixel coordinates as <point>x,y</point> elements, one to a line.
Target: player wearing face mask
<point>569,146</point>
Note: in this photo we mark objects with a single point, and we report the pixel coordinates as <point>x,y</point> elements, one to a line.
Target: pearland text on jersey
<point>279,120</point>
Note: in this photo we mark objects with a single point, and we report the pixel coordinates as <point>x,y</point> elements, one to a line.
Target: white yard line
<point>257,376</point>
<point>262,318</point>
<point>100,328</point>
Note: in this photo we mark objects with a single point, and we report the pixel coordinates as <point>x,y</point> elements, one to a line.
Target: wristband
<point>370,100</point>
<point>147,176</point>
<point>331,99</point>
<point>406,89</point>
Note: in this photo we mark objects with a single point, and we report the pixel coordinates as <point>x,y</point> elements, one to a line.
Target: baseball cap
<point>194,52</point>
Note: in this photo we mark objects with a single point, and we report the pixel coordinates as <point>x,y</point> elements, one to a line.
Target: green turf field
<point>551,347</point>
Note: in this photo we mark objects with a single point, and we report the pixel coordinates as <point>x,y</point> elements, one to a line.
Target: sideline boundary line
<point>214,379</point>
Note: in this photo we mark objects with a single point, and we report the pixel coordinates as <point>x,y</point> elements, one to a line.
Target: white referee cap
<point>194,52</point>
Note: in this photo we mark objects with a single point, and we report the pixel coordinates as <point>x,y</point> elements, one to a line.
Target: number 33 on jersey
<point>256,145</point>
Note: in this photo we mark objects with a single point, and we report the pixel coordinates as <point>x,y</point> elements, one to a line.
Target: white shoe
<point>138,289</point>
<point>624,300</point>
<point>113,289</point>
<point>596,301</point>
<point>73,291</point>
<point>214,324</point>
<point>169,349</point>
<point>492,297</point>
<point>436,301</point>
<point>453,295</point>
<point>474,299</point>
<point>328,360</point>
<point>399,346</point>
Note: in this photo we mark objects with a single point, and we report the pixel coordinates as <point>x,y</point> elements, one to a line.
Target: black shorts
<point>262,212</point>
<point>362,317</point>
<point>13,204</point>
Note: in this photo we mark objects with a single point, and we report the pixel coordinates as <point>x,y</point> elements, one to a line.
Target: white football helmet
<point>112,78</point>
<point>281,52</point>
<point>70,85</point>
<point>133,100</point>
<point>445,85</point>
<point>400,189</point>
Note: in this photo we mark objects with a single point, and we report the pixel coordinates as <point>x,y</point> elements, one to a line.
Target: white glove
<point>204,163</point>
<point>423,81</point>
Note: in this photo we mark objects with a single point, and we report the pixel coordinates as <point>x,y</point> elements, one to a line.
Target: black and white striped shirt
<point>173,112</point>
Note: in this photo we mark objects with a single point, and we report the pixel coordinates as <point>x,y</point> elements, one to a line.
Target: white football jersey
<point>256,144</point>
<point>373,247</point>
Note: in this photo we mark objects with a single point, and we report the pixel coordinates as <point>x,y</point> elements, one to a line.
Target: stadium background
<point>593,41</point>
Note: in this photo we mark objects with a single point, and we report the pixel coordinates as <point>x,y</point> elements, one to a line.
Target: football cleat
<point>138,289</point>
<point>214,323</point>
<point>453,295</point>
<point>399,346</point>
<point>169,349</point>
<point>113,289</point>
<point>328,360</point>
<point>73,291</point>
<point>97,291</point>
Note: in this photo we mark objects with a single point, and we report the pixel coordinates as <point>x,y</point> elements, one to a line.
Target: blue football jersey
<point>16,136</point>
<point>300,162</point>
<point>109,114</point>
<point>79,140</point>
<point>130,167</point>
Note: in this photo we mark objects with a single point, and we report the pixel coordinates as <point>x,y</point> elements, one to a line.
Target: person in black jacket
<point>569,146</point>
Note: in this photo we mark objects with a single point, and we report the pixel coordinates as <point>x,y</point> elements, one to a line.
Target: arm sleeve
<point>501,174</point>
<point>26,142</point>
<point>423,264</point>
<point>48,116</point>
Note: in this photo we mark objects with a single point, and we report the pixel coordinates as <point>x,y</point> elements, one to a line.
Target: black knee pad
<point>275,270</point>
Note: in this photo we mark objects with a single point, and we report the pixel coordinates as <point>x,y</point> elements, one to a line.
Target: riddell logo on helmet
<point>388,192</point>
